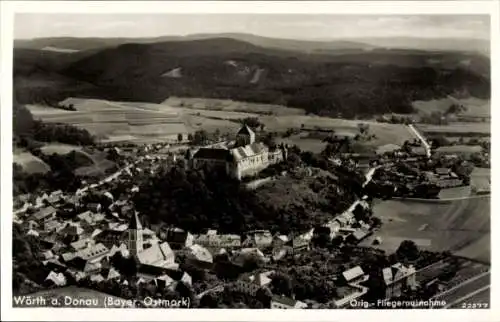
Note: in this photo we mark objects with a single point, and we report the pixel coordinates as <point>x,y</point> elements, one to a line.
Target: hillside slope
<point>358,83</point>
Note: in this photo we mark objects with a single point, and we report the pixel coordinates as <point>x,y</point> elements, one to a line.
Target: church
<point>152,253</point>
<point>240,159</point>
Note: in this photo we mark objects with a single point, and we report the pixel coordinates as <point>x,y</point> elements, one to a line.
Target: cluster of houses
<point>83,245</point>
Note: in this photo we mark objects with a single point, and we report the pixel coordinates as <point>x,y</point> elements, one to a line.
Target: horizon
<point>317,27</point>
<point>220,35</point>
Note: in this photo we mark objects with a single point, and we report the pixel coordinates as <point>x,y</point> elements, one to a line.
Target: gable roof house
<point>355,277</point>
<point>45,214</point>
<point>200,256</point>
<point>397,277</point>
<point>57,278</point>
<point>93,253</point>
<point>159,255</point>
<point>250,284</point>
<point>177,238</point>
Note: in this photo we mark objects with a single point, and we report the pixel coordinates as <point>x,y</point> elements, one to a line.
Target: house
<point>122,249</point>
<point>259,239</point>
<point>111,237</point>
<point>93,253</point>
<point>56,278</point>
<point>212,240</point>
<point>251,284</point>
<point>398,277</point>
<point>283,302</point>
<point>110,274</point>
<point>164,281</point>
<point>71,229</point>
<point>85,266</point>
<point>81,244</point>
<point>44,215</point>
<point>51,225</point>
<point>353,275</point>
<point>200,256</point>
<point>178,238</point>
<point>159,255</point>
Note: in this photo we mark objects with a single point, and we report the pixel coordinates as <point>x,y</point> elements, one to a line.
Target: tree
<point>179,137</point>
<point>190,137</point>
<point>281,284</point>
<point>407,250</point>
<point>200,137</point>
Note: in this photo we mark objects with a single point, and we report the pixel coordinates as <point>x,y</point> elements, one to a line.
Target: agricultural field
<point>479,129</point>
<point>230,105</point>
<point>30,163</point>
<point>115,121</point>
<point>137,121</point>
<point>460,226</point>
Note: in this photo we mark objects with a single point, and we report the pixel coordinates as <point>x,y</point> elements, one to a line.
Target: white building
<point>245,158</point>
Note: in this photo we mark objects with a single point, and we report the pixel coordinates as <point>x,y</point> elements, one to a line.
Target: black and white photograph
<point>245,160</point>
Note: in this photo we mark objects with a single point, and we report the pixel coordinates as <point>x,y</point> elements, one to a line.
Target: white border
<point>9,8</point>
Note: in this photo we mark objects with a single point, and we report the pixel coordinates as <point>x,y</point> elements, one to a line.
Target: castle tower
<point>245,136</point>
<point>135,243</point>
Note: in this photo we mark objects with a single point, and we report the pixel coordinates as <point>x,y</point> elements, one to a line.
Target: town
<point>96,240</point>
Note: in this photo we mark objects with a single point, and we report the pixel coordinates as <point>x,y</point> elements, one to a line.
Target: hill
<point>358,83</point>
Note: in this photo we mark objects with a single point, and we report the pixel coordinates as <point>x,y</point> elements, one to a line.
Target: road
<point>463,292</point>
<point>422,139</point>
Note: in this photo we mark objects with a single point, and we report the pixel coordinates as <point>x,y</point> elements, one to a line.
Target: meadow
<point>30,163</point>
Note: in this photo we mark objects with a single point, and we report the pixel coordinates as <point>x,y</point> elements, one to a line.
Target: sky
<point>311,26</point>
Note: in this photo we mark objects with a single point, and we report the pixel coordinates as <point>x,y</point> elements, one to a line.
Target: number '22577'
<point>475,305</point>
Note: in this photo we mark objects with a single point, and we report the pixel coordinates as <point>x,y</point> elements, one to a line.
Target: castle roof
<point>247,151</point>
<point>245,130</point>
<point>211,153</point>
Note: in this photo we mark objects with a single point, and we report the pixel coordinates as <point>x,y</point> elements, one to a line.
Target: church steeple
<point>135,242</point>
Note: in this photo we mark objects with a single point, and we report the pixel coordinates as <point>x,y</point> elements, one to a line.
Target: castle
<point>243,158</point>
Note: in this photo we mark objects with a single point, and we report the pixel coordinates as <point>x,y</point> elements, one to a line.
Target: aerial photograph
<point>251,161</point>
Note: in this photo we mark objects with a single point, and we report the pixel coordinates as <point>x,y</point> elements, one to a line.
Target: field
<point>230,105</point>
<point>475,107</point>
<point>30,163</point>
<point>147,122</point>
<point>479,129</point>
<point>461,226</point>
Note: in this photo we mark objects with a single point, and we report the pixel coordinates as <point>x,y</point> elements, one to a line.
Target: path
<point>426,145</point>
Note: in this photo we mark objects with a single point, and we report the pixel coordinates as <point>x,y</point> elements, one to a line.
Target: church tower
<point>245,136</point>
<point>135,243</point>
